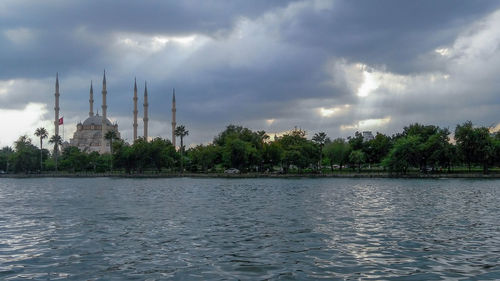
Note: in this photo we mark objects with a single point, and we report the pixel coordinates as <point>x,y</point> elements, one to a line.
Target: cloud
<point>15,123</point>
<point>297,63</point>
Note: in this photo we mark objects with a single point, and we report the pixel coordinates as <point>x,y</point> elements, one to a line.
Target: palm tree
<point>111,135</point>
<point>42,134</point>
<point>320,139</point>
<point>181,132</point>
<point>57,141</point>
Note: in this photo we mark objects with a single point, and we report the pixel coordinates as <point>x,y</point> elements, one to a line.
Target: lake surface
<point>249,229</point>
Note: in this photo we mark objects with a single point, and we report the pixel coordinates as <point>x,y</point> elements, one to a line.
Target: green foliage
<point>496,149</point>
<point>418,147</point>
<point>272,155</point>
<point>181,132</point>
<point>338,152</point>
<point>73,160</point>
<point>298,151</point>
<point>431,142</point>
<point>56,140</point>
<point>239,154</point>
<point>241,147</point>
<point>377,148</point>
<point>475,145</point>
<point>163,154</point>
<point>141,155</point>
<point>357,157</point>
<point>320,139</point>
<point>111,136</point>
<point>204,157</point>
<point>96,163</point>
<point>403,155</point>
<point>42,134</point>
<point>356,142</point>
<point>5,155</point>
<point>25,159</point>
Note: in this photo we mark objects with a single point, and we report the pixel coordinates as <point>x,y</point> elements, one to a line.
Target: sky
<point>322,66</point>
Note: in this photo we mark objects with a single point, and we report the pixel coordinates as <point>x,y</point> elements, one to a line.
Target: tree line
<point>420,148</point>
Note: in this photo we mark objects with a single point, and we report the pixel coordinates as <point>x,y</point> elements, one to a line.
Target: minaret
<point>91,100</point>
<point>56,108</point>
<point>104,93</point>
<point>135,110</point>
<point>146,119</point>
<point>104,128</point>
<point>173,118</point>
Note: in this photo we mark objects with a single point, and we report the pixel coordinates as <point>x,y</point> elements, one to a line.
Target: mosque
<point>90,135</point>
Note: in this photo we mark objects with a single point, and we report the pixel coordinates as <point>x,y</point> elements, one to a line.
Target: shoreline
<point>257,175</point>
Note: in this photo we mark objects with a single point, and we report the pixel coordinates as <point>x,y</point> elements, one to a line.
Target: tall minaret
<point>174,124</point>
<point>56,108</point>
<point>104,93</point>
<point>146,119</point>
<point>104,128</point>
<point>135,110</point>
<point>91,100</point>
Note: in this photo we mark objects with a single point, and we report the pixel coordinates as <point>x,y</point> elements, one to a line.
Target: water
<point>249,229</point>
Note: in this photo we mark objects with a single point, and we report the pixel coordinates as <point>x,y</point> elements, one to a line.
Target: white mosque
<point>90,135</point>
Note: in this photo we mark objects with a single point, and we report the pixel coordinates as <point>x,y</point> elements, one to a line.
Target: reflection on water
<point>216,229</point>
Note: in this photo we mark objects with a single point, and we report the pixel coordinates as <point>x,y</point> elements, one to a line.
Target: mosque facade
<point>88,135</point>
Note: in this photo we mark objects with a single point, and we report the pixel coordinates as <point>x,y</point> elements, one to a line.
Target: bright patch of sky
<point>15,123</point>
<point>368,124</point>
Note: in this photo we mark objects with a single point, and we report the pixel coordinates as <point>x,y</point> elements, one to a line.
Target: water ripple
<point>249,229</point>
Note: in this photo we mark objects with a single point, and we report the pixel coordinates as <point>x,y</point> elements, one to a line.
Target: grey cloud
<point>279,68</point>
<point>390,33</point>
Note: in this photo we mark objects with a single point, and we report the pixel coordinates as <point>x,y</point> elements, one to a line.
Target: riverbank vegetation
<point>417,149</point>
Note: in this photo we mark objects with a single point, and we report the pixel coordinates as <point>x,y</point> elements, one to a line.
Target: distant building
<point>367,136</point>
<point>90,135</point>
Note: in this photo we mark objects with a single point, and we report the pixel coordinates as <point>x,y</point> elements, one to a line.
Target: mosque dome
<point>96,120</point>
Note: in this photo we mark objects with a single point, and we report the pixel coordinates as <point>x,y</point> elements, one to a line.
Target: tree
<point>298,151</point>
<point>57,141</point>
<point>25,157</point>
<point>237,153</point>
<point>319,139</point>
<point>403,154</point>
<point>356,142</point>
<point>141,156</point>
<point>464,136</point>
<point>162,153</point>
<point>338,152</point>
<point>110,136</point>
<point>436,149</point>
<point>496,146</point>
<point>74,160</point>
<point>423,133</point>
<point>205,156</point>
<point>377,148</point>
<point>42,134</point>
<point>357,157</point>
<point>475,145</point>
<point>5,155</point>
<point>485,152</point>
<point>272,154</point>
<point>181,132</point>
<point>122,156</point>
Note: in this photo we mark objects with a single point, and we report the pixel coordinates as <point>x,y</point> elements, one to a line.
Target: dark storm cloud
<point>55,26</point>
<point>148,16</point>
<point>384,32</point>
<point>249,61</point>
